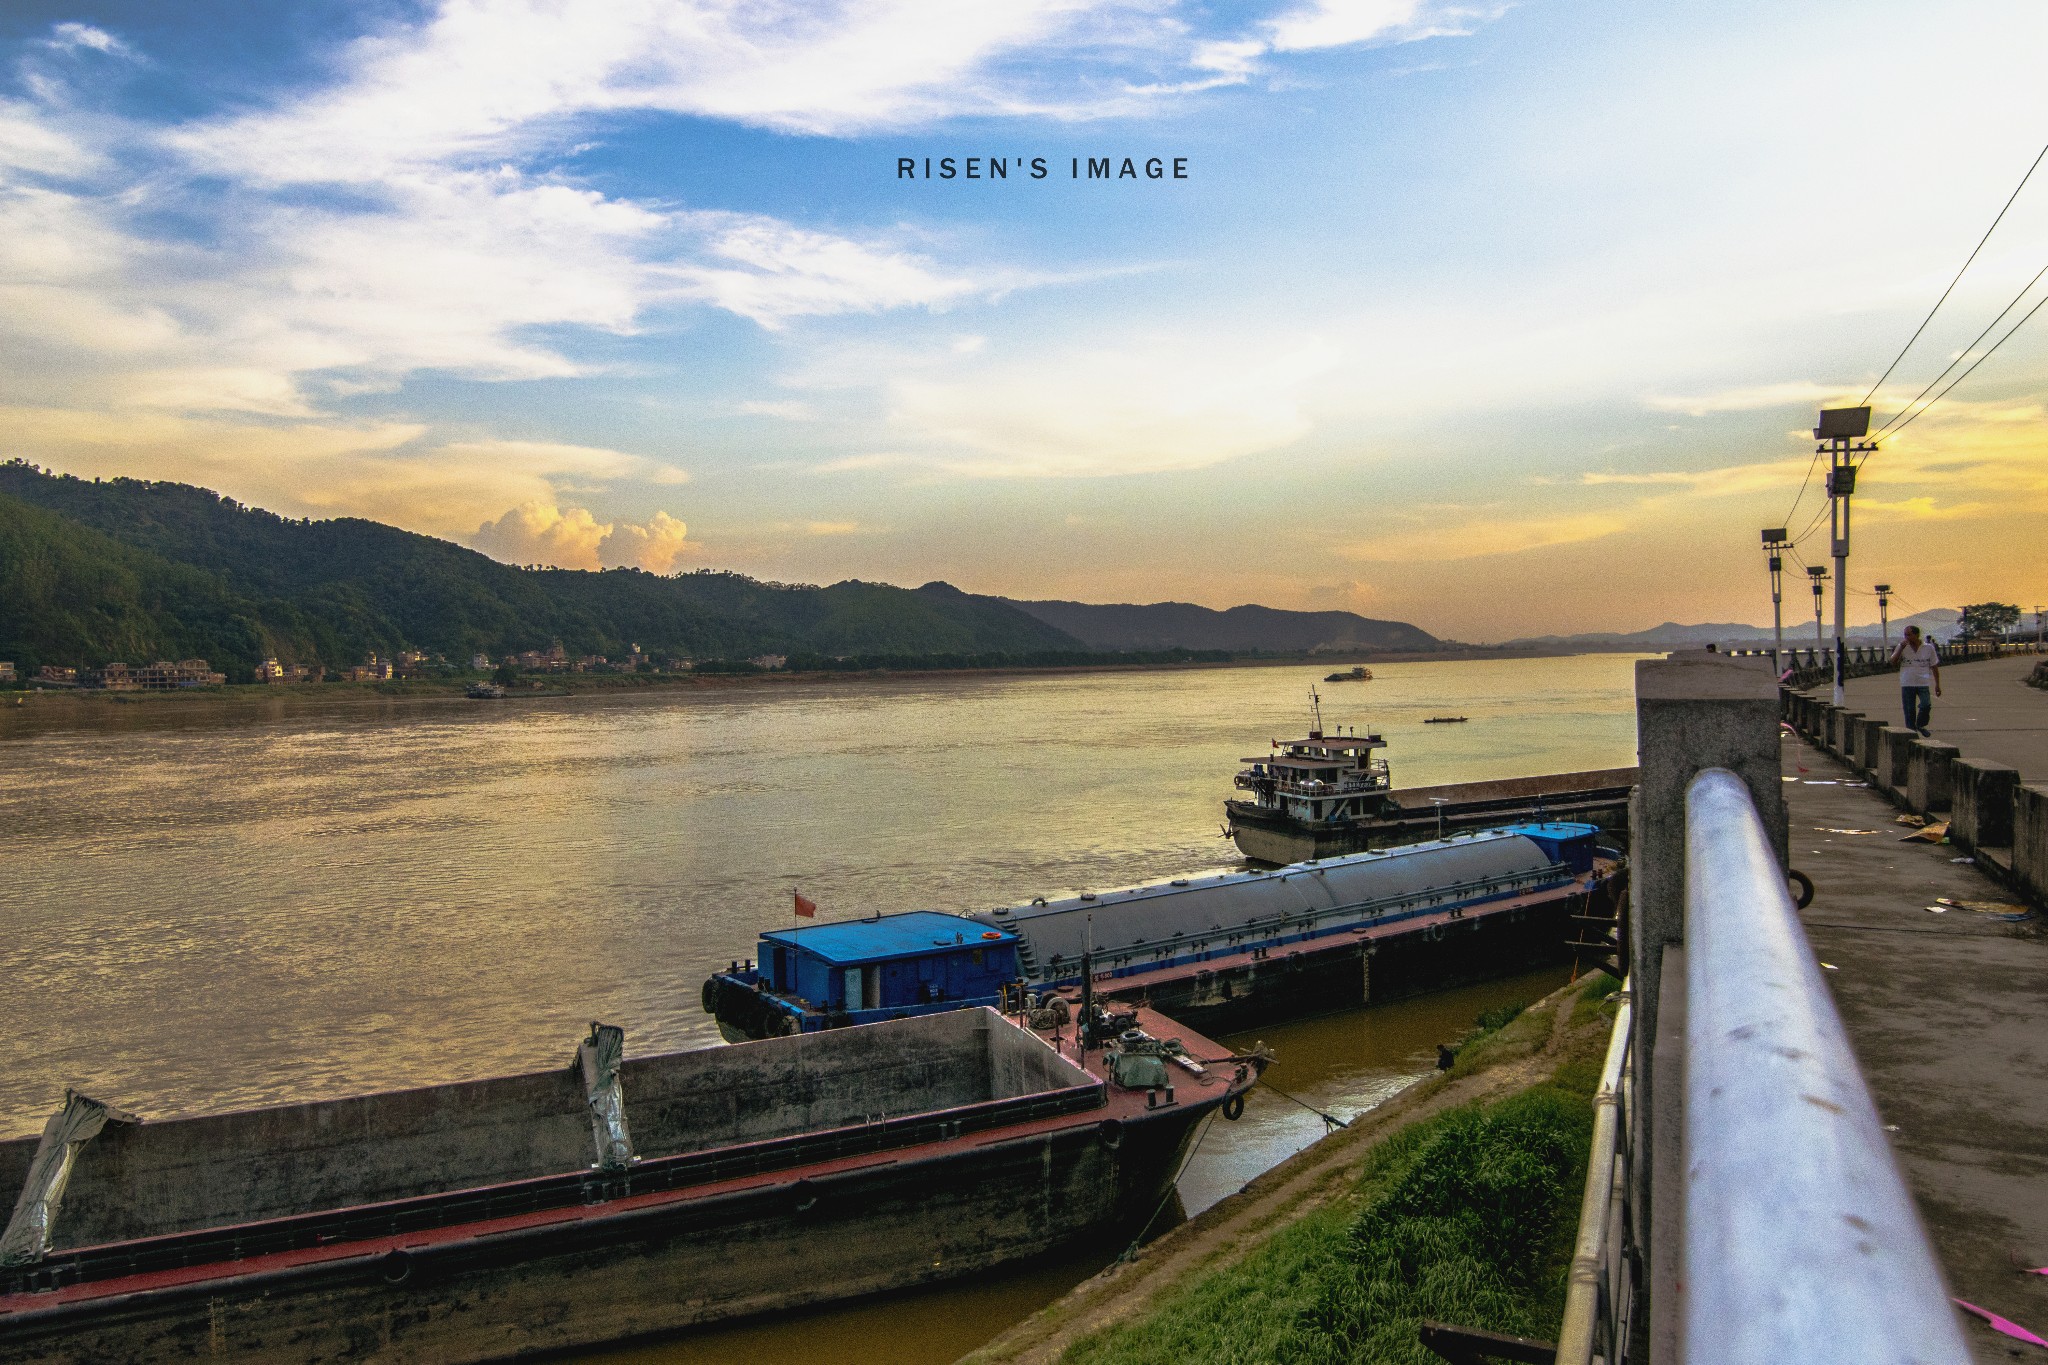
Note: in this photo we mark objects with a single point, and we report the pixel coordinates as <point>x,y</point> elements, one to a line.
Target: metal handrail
<point>1801,1242</point>
<point>1597,1294</point>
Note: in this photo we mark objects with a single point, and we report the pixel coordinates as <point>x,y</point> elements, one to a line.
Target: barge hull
<point>1321,979</point>
<point>601,1276</point>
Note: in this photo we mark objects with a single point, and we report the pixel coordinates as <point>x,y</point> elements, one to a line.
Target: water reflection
<point>418,892</point>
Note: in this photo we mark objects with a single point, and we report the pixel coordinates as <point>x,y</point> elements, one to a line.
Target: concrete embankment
<point>1569,1026</point>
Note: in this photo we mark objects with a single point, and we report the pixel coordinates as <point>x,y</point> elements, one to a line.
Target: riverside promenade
<point>1937,964</point>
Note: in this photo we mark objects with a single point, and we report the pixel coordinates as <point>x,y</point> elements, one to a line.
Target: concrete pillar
<point>1867,731</point>
<point>1693,711</point>
<point>1928,788</point>
<point>1894,748</point>
<point>1842,735</point>
<point>1981,802</point>
<point>2030,840</point>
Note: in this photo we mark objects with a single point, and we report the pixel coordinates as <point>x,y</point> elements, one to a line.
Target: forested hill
<point>1162,625</point>
<point>92,571</point>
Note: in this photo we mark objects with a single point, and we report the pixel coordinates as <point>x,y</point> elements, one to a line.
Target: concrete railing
<point>1996,818</point>
<point>1800,1240</point>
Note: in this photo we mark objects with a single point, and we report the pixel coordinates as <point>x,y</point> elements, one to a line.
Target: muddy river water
<point>208,906</point>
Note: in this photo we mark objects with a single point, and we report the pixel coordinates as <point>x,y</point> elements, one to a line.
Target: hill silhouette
<point>95,570</point>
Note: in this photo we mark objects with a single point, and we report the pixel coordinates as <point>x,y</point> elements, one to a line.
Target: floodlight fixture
<point>1774,535</point>
<point>1842,424</point>
<point>1884,587</point>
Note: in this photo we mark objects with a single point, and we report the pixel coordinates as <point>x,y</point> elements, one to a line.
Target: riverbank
<point>1288,1267</point>
<point>269,702</point>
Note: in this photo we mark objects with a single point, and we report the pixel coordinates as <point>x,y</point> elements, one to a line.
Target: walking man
<point>1919,669</point>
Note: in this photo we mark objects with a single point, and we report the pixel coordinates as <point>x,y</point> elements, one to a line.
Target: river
<point>212,907</point>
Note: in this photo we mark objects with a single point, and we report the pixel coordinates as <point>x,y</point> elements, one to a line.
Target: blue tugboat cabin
<point>865,971</point>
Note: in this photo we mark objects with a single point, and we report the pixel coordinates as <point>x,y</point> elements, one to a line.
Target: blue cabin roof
<point>911,934</point>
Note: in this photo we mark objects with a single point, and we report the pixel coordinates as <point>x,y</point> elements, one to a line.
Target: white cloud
<point>542,532</point>
<point>770,271</point>
<point>72,36</point>
<point>1138,408</point>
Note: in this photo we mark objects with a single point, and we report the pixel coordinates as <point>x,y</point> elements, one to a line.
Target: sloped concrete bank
<point>1565,1026</point>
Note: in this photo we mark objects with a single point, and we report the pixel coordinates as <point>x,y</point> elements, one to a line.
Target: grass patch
<point>1592,998</point>
<point>1466,1217</point>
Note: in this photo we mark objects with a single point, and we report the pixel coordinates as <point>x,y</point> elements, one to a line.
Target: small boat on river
<point>1332,793</point>
<point>1360,673</point>
<point>605,1199</point>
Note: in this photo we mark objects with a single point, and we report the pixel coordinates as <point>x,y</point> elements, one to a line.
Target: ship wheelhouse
<point>1321,779</point>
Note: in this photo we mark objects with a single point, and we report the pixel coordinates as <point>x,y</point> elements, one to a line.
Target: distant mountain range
<point>93,571</point>
<point>1164,625</point>
<point>1939,621</point>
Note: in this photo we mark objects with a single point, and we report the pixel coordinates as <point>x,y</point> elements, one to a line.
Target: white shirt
<point>1916,666</point>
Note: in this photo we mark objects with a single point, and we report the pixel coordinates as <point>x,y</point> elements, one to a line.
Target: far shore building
<point>57,676</point>
<point>770,661</point>
<point>161,676</point>
<point>372,669</point>
<point>480,663</point>
<point>270,671</point>
<point>7,671</point>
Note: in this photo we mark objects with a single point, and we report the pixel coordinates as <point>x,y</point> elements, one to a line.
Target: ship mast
<point>1315,704</point>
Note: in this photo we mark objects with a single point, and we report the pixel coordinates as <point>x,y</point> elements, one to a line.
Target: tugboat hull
<point>1270,836</point>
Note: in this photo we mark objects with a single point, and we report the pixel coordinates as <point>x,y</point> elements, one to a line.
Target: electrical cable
<point>1973,366</point>
<point>1957,280</point>
<point>1960,355</point>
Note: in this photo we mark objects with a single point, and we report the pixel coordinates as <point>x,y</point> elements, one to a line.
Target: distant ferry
<point>1358,674</point>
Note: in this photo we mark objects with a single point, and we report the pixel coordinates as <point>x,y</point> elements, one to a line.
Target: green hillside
<point>94,570</point>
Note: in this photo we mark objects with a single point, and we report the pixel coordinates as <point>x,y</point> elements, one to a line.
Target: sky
<point>1500,318</point>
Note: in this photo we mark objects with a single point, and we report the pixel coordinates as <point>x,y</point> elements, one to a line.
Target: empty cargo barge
<point>608,1199</point>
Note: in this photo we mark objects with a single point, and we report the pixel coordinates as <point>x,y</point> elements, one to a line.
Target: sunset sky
<point>1498,318</point>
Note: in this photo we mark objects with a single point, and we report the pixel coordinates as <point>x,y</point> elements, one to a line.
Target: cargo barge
<point>610,1199</point>
<point>1219,952</point>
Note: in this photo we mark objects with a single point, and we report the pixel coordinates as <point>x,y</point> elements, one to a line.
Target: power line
<point>1962,354</point>
<point>1957,280</point>
<point>1800,496</point>
<point>1973,365</point>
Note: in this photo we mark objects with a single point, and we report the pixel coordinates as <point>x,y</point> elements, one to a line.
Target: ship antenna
<point>1315,704</point>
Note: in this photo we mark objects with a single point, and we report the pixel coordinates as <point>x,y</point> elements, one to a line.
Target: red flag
<point>805,906</point>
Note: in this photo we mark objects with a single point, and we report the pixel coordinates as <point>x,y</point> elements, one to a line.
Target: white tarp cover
<point>30,1229</point>
<point>1209,911</point>
<point>598,1057</point>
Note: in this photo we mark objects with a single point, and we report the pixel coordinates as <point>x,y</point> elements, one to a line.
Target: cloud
<point>770,271</point>
<point>1484,537</point>
<point>1139,407</point>
<point>542,532</point>
<point>70,37</point>
<point>1801,394</point>
<point>386,471</point>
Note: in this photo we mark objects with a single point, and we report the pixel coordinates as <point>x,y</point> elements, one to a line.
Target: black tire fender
<point>395,1266</point>
<point>1111,1132</point>
<point>1233,1108</point>
<point>1804,897</point>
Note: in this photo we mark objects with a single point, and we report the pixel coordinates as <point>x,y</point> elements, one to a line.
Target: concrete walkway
<point>1985,710</point>
<point>1946,1011</point>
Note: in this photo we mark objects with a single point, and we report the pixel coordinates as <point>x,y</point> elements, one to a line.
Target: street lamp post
<point>1884,614</point>
<point>1774,545</point>
<point>1840,432</point>
<point>1819,573</point>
